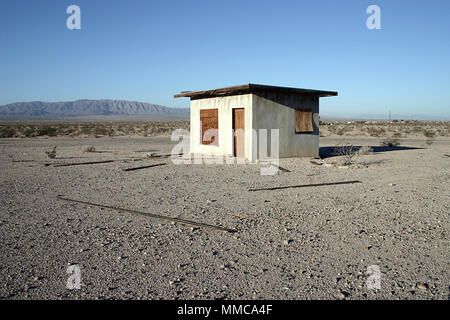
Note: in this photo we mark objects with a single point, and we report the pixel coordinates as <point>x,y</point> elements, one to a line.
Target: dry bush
<point>47,131</point>
<point>364,150</point>
<point>51,154</point>
<point>346,151</point>
<point>7,132</point>
<point>428,133</point>
<point>390,142</point>
<point>376,132</point>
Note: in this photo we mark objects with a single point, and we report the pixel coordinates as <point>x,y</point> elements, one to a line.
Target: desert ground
<point>298,243</point>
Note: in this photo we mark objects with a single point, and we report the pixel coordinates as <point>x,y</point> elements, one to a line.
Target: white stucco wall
<point>262,111</point>
<point>225,106</point>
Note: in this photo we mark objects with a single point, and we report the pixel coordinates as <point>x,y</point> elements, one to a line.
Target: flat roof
<point>251,88</point>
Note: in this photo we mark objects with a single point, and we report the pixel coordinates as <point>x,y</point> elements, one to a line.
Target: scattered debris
<point>152,155</point>
<point>151,215</point>
<point>308,185</point>
<point>155,155</point>
<point>317,161</point>
<point>89,149</point>
<point>281,168</point>
<point>144,167</point>
<point>149,150</point>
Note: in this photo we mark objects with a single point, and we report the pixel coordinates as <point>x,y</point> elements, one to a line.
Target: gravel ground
<point>299,243</point>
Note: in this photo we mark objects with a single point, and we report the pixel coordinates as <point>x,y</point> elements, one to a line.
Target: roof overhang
<point>253,88</point>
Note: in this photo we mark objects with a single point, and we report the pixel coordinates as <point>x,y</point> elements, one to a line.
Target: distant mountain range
<point>385,117</point>
<point>86,109</point>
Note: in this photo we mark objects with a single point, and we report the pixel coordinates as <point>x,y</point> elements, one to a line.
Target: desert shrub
<point>67,130</point>
<point>46,131</point>
<point>28,132</point>
<point>338,130</point>
<point>346,151</point>
<point>428,133</point>
<point>376,132</point>
<point>390,142</point>
<point>101,130</point>
<point>7,132</point>
<point>85,129</point>
<point>51,154</point>
<point>417,129</point>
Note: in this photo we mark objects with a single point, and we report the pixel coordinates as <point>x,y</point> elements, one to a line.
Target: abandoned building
<point>224,121</point>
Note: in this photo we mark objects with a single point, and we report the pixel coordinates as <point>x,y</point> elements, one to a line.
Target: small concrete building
<point>227,121</point>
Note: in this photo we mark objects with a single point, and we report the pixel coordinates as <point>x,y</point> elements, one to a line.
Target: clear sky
<point>145,50</point>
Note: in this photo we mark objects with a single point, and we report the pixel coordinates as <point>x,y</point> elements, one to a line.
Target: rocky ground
<point>298,243</point>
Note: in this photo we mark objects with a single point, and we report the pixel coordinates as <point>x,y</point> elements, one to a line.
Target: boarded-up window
<point>210,126</point>
<point>303,121</point>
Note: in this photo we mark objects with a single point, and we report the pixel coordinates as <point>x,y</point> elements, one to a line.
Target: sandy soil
<point>300,243</point>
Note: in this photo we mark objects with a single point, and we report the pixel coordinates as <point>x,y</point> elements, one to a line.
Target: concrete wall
<point>277,111</point>
<point>225,106</point>
<point>262,111</point>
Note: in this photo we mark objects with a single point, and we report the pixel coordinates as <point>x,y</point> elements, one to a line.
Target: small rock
<point>342,294</point>
<point>422,286</point>
<point>286,242</point>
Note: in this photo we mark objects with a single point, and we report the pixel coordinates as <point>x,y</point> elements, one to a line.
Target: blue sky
<point>147,51</point>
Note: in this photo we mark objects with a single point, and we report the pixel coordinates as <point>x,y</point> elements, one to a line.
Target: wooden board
<point>303,121</point>
<point>239,132</point>
<point>209,119</point>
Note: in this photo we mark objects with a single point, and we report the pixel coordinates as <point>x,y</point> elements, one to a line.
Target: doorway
<point>239,133</point>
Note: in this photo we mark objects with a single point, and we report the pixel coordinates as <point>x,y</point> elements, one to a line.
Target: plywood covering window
<point>209,119</point>
<point>303,121</point>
